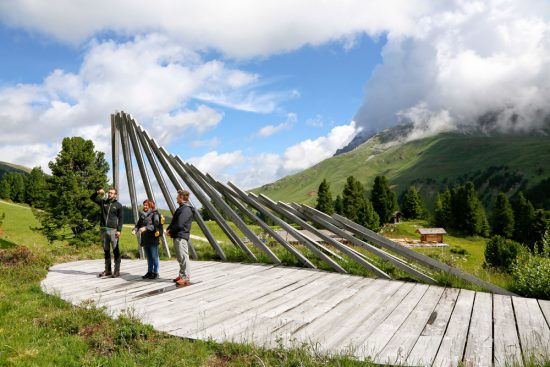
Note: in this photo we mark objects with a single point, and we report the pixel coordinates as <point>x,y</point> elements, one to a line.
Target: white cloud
<point>151,76</point>
<point>269,130</point>
<point>244,28</point>
<point>211,143</point>
<point>309,152</point>
<point>253,171</point>
<point>469,59</point>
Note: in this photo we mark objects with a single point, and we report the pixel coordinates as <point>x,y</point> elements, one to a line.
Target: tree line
<point>457,209</point>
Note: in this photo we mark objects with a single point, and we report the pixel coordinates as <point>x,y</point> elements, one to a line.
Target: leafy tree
<point>524,214</point>
<point>36,188</point>
<point>324,198</point>
<point>502,220</point>
<point>78,170</point>
<point>338,205</point>
<point>412,206</point>
<point>443,210</point>
<point>383,199</point>
<point>501,252</point>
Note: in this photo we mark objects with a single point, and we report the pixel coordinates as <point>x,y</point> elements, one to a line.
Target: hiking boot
<point>116,274</point>
<point>154,276</point>
<point>147,275</point>
<point>177,279</point>
<point>183,282</point>
<point>104,273</point>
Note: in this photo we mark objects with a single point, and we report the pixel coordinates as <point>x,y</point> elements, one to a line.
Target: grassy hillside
<point>501,163</point>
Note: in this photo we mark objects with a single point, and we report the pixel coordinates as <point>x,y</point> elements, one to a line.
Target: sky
<point>252,91</point>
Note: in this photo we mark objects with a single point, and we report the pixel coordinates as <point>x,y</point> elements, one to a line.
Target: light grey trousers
<point>182,254</point>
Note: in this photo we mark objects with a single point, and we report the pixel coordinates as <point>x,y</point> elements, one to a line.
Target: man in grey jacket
<point>111,227</point>
<point>179,229</point>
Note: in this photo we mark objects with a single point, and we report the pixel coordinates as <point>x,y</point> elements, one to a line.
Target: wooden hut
<point>431,234</point>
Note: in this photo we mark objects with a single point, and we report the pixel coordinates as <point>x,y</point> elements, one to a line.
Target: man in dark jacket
<point>111,227</point>
<point>179,229</point>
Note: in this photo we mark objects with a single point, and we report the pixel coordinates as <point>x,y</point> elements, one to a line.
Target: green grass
<point>37,329</point>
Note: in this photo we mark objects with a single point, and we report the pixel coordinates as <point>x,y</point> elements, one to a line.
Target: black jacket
<point>151,221</point>
<point>111,212</point>
<point>181,221</point>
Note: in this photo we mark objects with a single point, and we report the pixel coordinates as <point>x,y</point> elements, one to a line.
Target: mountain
<point>10,167</point>
<point>496,162</point>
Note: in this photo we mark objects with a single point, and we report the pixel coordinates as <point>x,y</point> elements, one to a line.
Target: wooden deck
<point>386,321</point>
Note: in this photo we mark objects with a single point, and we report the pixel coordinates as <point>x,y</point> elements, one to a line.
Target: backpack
<point>160,227</point>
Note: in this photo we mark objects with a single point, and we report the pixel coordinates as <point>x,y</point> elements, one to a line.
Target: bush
<point>532,277</point>
<point>501,252</point>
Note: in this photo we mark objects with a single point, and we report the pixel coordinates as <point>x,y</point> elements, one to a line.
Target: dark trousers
<point>108,239</point>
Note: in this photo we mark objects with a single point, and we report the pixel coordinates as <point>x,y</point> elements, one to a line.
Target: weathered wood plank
<point>404,339</point>
<point>479,346</point>
<point>507,351</point>
<point>425,349</point>
<point>533,330</point>
<point>382,334</point>
<point>452,346</point>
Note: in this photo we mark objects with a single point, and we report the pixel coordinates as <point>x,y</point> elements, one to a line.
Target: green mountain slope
<point>496,163</point>
<point>10,167</point>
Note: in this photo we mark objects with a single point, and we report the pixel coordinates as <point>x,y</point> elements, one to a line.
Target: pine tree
<point>78,171</point>
<point>539,226</point>
<point>384,201</point>
<point>338,205</point>
<point>412,204</point>
<point>324,198</point>
<point>36,188</point>
<point>353,196</point>
<point>443,210</point>
<point>5,188</point>
<point>468,213</point>
<point>524,214</point>
<point>502,220</point>
<point>368,216</point>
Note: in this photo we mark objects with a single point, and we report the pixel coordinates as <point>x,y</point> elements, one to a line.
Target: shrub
<point>532,277</point>
<point>501,252</point>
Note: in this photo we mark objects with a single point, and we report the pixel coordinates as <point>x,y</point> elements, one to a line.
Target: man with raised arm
<point>111,227</point>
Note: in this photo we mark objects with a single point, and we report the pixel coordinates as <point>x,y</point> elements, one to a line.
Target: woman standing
<point>150,227</point>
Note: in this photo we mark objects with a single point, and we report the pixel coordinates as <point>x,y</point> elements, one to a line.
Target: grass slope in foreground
<point>37,329</point>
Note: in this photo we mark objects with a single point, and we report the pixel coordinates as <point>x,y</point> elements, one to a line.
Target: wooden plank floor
<point>384,321</point>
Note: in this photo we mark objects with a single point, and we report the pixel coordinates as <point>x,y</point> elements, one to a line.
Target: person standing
<point>179,229</point>
<point>111,228</point>
<point>150,227</point>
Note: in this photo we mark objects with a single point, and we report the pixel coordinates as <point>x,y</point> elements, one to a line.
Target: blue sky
<point>253,91</point>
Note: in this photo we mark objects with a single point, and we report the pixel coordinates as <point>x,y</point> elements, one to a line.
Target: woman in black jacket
<point>150,227</point>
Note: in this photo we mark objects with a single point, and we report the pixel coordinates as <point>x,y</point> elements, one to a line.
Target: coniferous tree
<point>502,220</point>
<point>443,210</point>
<point>539,226</point>
<point>468,213</point>
<point>412,204</point>
<point>324,198</point>
<point>5,188</point>
<point>523,217</point>
<point>384,200</point>
<point>352,198</point>
<point>338,205</point>
<point>78,171</point>
<point>13,187</point>
<point>36,188</point>
<point>368,216</point>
